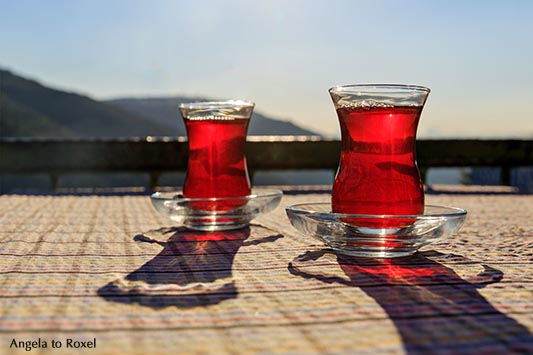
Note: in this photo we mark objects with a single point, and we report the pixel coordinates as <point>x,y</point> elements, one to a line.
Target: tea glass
<point>217,138</point>
<point>377,204</point>
<point>378,174</point>
<point>217,193</point>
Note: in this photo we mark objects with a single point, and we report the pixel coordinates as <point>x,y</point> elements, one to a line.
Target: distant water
<point>522,178</point>
<point>447,176</point>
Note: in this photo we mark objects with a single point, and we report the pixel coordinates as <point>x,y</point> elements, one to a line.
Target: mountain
<point>28,108</point>
<point>18,121</point>
<point>165,111</point>
<point>31,109</point>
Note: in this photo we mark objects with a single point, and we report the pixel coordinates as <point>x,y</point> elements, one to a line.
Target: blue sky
<point>476,56</point>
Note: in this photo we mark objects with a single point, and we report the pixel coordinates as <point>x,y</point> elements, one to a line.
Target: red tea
<point>217,164</point>
<point>377,171</point>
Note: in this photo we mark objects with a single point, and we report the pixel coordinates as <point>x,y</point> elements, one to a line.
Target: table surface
<point>110,269</point>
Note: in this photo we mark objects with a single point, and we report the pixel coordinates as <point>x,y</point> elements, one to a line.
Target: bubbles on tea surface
<point>211,118</point>
<point>363,104</point>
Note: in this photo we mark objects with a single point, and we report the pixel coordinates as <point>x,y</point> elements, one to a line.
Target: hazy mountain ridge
<point>33,110</point>
<point>164,110</point>
<point>20,121</point>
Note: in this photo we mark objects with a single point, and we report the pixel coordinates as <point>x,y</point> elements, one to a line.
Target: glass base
<point>215,226</point>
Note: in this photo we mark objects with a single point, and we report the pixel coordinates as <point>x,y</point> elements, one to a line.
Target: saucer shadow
<point>433,308</point>
<point>193,269</point>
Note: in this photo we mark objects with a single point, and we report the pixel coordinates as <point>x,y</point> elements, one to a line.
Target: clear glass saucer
<point>378,236</point>
<point>212,214</point>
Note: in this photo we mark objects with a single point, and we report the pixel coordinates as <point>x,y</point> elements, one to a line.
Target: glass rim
<point>353,88</point>
<point>216,104</point>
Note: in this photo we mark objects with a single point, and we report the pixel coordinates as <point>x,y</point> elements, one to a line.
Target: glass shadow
<point>434,309</point>
<point>194,268</point>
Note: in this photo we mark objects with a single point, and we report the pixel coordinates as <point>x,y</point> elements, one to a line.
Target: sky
<point>476,56</point>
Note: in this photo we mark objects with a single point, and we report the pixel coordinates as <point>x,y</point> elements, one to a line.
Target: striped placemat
<point>110,275</point>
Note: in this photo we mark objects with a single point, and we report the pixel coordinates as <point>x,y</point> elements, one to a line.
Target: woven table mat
<point>110,269</point>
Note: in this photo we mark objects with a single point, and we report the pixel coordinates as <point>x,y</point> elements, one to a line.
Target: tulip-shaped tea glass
<point>377,170</point>
<point>377,203</point>
<point>217,139</point>
<point>216,194</point>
